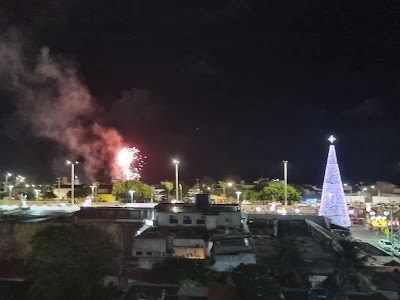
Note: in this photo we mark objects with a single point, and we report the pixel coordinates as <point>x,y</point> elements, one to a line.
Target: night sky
<point>228,87</point>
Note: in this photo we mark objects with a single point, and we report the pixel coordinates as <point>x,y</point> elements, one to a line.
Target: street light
<point>238,195</point>
<point>37,194</point>
<point>176,162</point>
<point>285,178</point>
<point>11,187</point>
<point>131,192</point>
<point>7,176</point>
<point>19,178</point>
<point>72,178</point>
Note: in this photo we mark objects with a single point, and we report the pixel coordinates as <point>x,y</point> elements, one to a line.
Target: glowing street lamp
<point>238,195</point>
<point>176,162</point>
<point>19,178</point>
<point>72,178</point>
<point>131,192</point>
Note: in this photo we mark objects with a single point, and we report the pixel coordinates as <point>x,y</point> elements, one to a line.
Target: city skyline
<point>228,96</point>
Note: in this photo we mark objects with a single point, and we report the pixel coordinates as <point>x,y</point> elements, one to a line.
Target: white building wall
<point>229,219</point>
<point>381,199</point>
<point>188,242</point>
<point>223,219</point>
<point>226,263</point>
<point>352,199</point>
<point>157,247</point>
<point>211,222</point>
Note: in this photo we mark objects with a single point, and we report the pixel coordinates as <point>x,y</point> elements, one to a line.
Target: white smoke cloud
<point>55,104</point>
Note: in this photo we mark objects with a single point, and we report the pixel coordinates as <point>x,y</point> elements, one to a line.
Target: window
<point>173,220</point>
<point>199,222</point>
<point>187,220</point>
<point>139,253</point>
<point>149,253</point>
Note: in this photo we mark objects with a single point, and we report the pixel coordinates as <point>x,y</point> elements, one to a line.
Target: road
<point>368,236</point>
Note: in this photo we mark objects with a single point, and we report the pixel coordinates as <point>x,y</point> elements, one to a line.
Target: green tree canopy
<point>142,191</point>
<point>276,191</point>
<point>251,195</point>
<point>70,262</point>
<point>78,193</point>
<point>255,283</point>
<point>169,185</point>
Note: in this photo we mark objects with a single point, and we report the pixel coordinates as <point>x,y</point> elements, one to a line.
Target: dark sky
<point>229,87</point>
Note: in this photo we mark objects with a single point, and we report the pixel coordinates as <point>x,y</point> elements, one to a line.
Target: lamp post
<point>72,179</point>
<point>230,184</point>
<point>131,192</point>
<point>59,187</point>
<point>391,221</point>
<point>8,175</point>
<point>11,187</point>
<point>93,187</point>
<point>285,178</point>
<point>176,162</point>
<point>238,196</point>
<point>37,194</point>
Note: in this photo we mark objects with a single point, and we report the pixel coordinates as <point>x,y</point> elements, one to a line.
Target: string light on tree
<point>333,202</point>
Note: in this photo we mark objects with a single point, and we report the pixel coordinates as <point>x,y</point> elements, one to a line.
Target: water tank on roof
<point>203,202</point>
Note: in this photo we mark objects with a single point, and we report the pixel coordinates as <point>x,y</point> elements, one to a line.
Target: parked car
<point>385,245</point>
<point>396,249</point>
<point>246,202</point>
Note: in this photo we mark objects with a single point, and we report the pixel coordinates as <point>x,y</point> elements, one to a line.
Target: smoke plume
<point>56,105</point>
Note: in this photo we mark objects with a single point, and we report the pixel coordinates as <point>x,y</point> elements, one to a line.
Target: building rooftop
<point>192,208</point>
<point>177,232</point>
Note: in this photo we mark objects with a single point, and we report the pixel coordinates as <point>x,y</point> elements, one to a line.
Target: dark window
<point>149,253</point>
<point>139,253</point>
<point>187,220</point>
<point>173,220</point>
<point>201,222</point>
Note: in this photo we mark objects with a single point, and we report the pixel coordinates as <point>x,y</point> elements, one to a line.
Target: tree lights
<point>333,203</point>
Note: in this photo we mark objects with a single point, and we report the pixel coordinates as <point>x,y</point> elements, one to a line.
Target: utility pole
<point>176,162</point>
<point>285,179</point>
<point>72,179</point>
<point>58,187</point>
<point>391,221</point>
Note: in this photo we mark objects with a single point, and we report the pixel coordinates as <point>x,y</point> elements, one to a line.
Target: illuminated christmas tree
<point>333,202</point>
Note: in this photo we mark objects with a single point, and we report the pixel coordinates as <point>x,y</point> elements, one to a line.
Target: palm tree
<point>169,186</point>
<point>224,185</point>
<point>351,272</point>
<point>286,261</point>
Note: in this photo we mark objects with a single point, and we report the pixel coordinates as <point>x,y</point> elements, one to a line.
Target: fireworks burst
<point>130,163</point>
